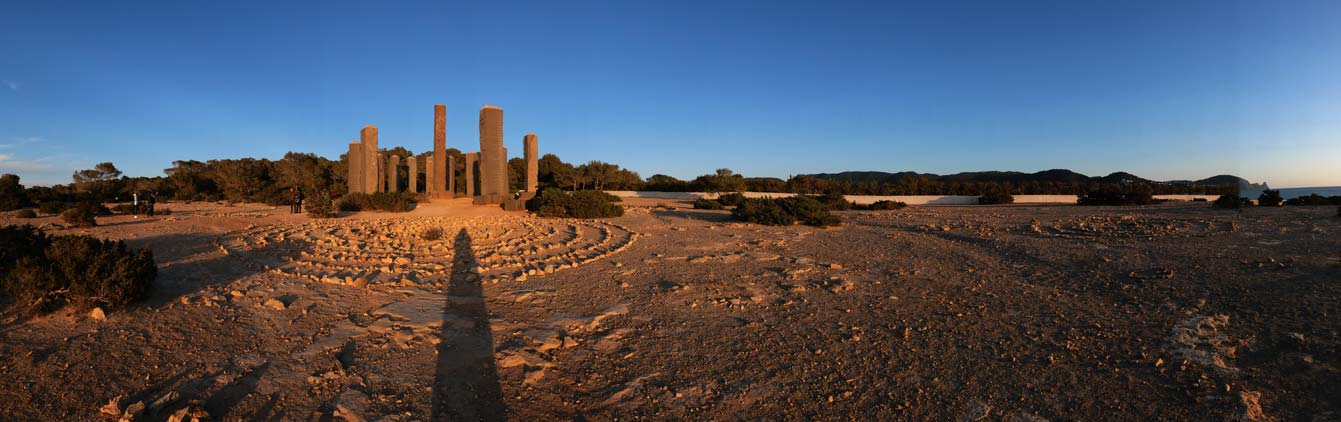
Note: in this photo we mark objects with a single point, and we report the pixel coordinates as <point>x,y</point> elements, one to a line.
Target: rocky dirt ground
<point>1023,313</point>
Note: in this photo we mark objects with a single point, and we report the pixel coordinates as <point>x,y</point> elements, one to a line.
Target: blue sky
<point>1162,89</point>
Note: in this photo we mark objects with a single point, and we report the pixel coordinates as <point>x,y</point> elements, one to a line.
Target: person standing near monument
<point>297,207</point>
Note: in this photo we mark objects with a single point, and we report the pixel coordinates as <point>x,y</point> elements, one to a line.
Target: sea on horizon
<point>1288,193</point>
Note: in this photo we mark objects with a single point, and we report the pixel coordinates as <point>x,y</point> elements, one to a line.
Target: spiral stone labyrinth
<point>409,251</point>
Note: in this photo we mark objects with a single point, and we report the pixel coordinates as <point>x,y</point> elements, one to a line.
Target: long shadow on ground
<point>465,386</point>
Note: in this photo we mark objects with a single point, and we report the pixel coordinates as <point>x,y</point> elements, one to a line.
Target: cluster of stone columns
<point>486,171</point>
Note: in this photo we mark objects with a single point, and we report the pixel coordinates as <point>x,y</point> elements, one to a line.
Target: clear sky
<point>1163,89</point>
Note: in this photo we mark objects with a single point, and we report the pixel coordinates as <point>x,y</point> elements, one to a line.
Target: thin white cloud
<point>9,164</point>
<point>13,86</point>
<point>23,141</point>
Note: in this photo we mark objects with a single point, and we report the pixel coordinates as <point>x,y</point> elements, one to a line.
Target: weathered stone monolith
<point>412,170</point>
<point>428,174</point>
<point>472,158</point>
<point>392,171</point>
<point>451,177</point>
<point>441,176</point>
<point>493,160</point>
<point>380,162</point>
<point>371,159</point>
<point>532,155</point>
<point>354,179</point>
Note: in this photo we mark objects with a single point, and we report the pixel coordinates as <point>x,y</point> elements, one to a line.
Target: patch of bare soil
<point>1028,313</point>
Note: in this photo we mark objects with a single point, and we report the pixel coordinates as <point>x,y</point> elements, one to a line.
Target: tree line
<point>268,181</point>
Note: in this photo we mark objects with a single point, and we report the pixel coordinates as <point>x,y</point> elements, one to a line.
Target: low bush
<point>354,202</point>
<point>1270,198</point>
<point>1315,199</point>
<point>833,201</point>
<point>996,199</point>
<point>379,201</point>
<point>51,207</point>
<point>19,241</point>
<point>579,204</point>
<point>79,217</point>
<point>46,273</point>
<point>886,205</point>
<point>320,206</point>
<point>730,199</point>
<point>811,211</point>
<point>122,208</point>
<point>94,207</point>
<point>766,211</point>
<point>392,201</point>
<point>432,233</point>
<point>1117,197</point>
<point>708,204</point>
<point>612,198</point>
<point>785,211</point>
<point>1229,201</point>
<point>26,213</point>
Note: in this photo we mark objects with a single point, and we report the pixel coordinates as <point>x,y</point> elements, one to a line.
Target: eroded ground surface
<point>1171,312</point>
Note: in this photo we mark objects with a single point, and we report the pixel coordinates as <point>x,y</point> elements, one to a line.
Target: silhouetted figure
<point>153,198</point>
<point>135,204</point>
<point>465,384</point>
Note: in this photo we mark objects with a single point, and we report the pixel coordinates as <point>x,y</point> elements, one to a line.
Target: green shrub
<point>730,199</point>
<point>1114,196</point>
<point>354,202</point>
<point>26,213</point>
<point>707,204</point>
<point>810,211</point>
<point>320,206</point>
<point>1315,199</point>
<point>94,207</point>
<point>19,241</point>
<point>766,211</point>
<point>1229,201</point>
<point>785,212</point>
<point>611,198</point>
<point>391,201</point>
<point>832,201</point>
<point>886,205</point>
<point>1270,198</point>
<point>79,217</point>
<point>996,199</point>
<point>51,207</point>
<point>80,270</point>
<point>579,204</point>
<point>122,208</point>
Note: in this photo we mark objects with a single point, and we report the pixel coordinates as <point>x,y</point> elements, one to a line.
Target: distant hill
<point>1225,179</point>
<point>1054,175</point>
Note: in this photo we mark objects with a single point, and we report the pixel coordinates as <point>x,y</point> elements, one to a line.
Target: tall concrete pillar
<point>493,161</point>
<point>372,160</point>
<point>441,175</point>
<point>392,171</point>
<point>532,156</point>
<point>412,170</point>
<point>451,177</point>
<point>380,162</point>
<point>471,160</point>
<point>428,174</point>
<point>354,179</point>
